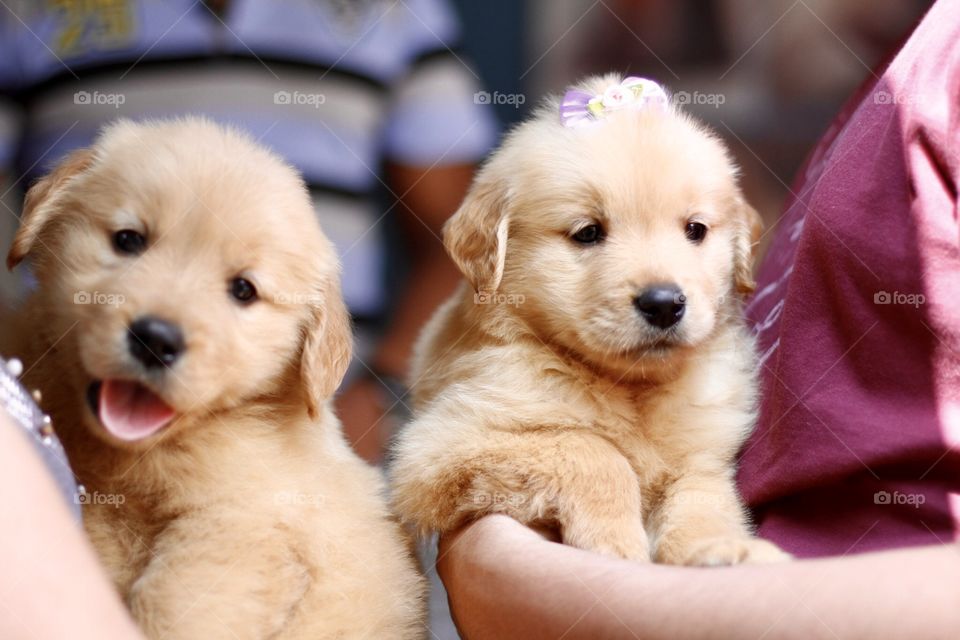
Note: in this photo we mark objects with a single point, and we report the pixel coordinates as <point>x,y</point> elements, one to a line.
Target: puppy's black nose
<point>155,342</point>
<point>661,305</point>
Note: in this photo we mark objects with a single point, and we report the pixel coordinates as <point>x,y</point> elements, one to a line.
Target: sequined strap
<point>21,406</point>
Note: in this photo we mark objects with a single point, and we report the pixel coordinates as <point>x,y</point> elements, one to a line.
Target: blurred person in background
<point>366,98</point>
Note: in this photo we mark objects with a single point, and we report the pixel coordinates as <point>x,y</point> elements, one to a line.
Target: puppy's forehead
<point>200,188</point>
<point>627,162</point>
<point>659,152</point>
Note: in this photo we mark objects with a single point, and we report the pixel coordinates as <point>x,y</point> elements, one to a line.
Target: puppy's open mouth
<point>127,409</point>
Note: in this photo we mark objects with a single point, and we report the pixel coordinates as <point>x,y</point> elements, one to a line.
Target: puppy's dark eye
<point>590,234</point>
<point>130,242</point>
<point>696,232</point>
<point>243,290</point>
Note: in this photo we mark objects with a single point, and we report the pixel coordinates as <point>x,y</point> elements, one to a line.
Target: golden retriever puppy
<point>595,373</point>
<point>186,332</point>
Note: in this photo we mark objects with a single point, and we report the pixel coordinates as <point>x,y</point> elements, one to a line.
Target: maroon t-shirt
<point>857,315</point>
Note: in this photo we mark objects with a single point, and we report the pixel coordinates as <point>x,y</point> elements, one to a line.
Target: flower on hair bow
<point>579,107</point>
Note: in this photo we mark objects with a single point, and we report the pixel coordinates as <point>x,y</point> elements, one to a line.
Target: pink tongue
<point>130,411</point>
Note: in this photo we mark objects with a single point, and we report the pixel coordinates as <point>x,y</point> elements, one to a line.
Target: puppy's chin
<point>655,361</point>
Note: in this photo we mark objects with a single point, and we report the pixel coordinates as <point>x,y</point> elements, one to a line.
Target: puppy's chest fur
<point>124,537</point>
<point>703,414</point>
<point>698,418</point>
<point>161,489</point>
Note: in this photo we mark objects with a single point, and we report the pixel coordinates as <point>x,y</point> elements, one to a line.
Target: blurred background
<point>387,106</point>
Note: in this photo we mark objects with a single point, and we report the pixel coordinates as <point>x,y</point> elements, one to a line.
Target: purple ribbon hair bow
<point>579,107</point>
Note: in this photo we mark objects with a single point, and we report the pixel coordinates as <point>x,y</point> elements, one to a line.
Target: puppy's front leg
<point>597,499</point>
<point>701,521</point>
<point>575,480</point>
<point>225,581</point>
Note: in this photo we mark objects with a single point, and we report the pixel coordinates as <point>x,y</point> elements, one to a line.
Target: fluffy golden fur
<point>541,393</point>
<point>248,516</point>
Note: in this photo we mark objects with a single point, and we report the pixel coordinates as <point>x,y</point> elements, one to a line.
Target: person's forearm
<point>51,585</point>
<point>507,583</point>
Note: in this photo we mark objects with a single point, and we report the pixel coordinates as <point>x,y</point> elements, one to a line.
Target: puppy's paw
<point>715,552</point>
<point>628,550</point>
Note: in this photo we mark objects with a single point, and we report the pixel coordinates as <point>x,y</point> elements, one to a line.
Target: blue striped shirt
<point>337,87</point>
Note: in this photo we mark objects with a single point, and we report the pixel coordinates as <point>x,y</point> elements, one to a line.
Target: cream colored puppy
<point>595,372</point>
<point>187,333</point>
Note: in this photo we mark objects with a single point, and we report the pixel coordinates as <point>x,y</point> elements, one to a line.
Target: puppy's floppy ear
<point>40,205</point>
<point>327,347</point>
<point>476,235</point>
<point>749,230</point>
